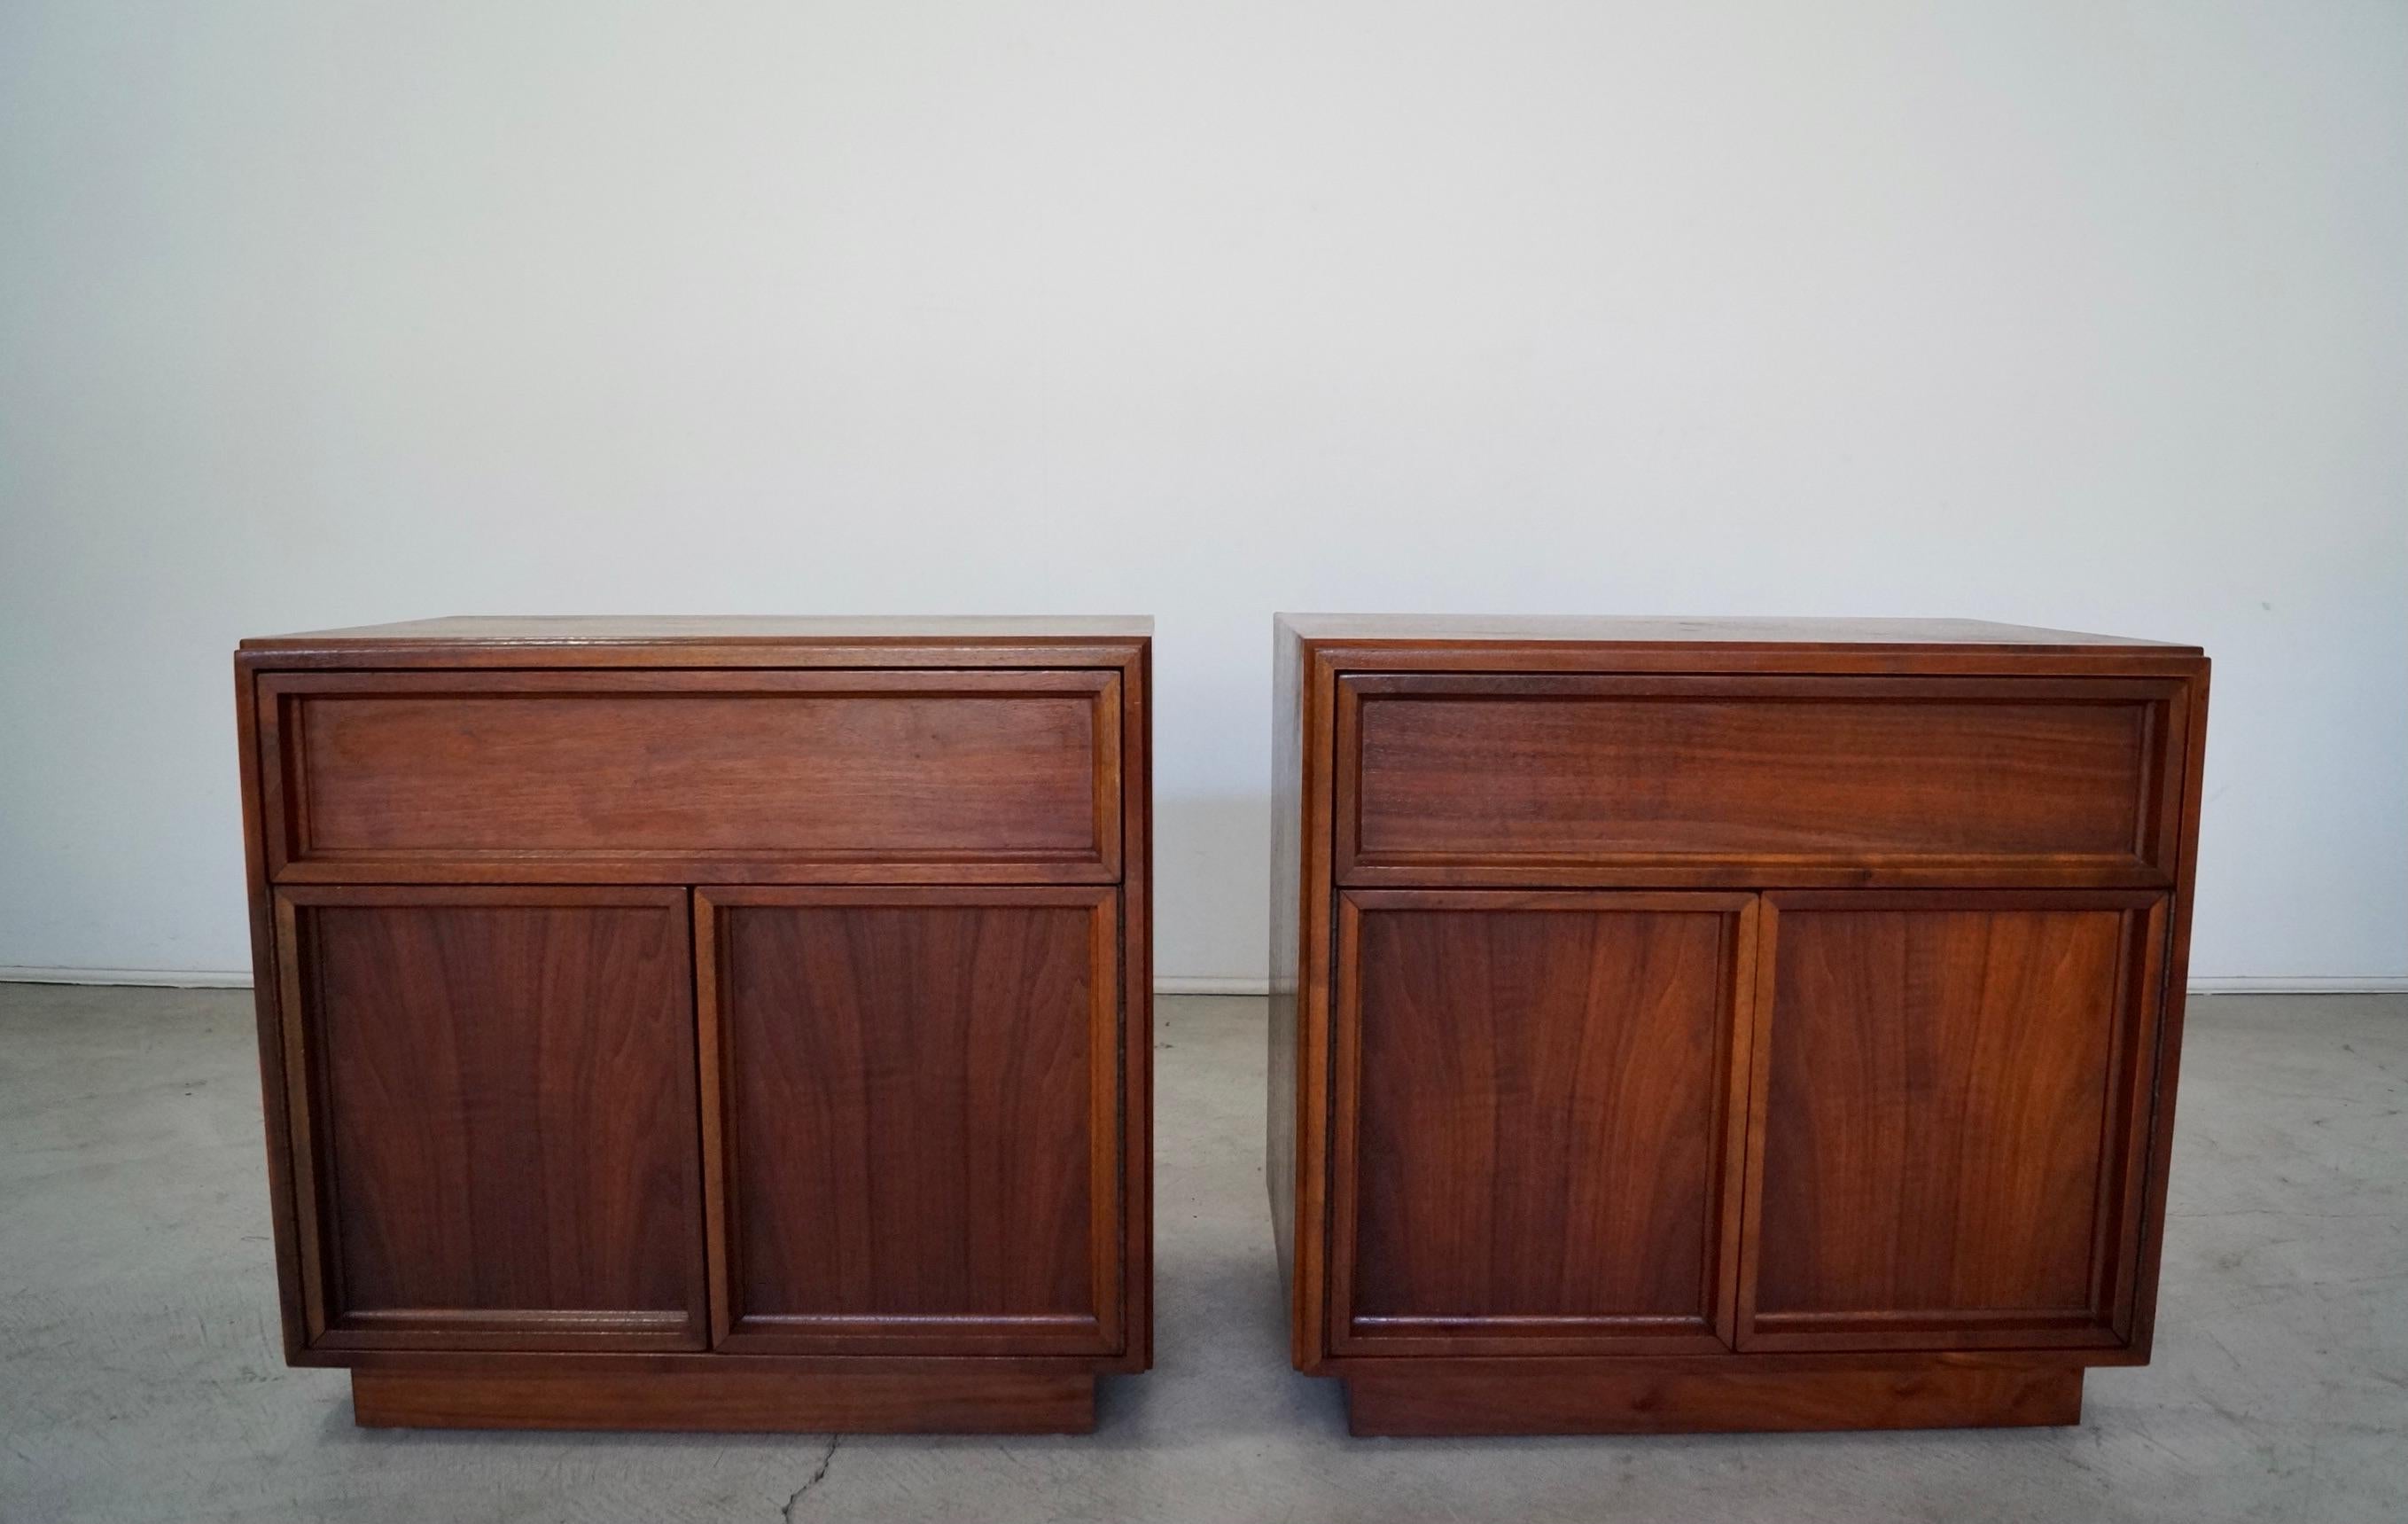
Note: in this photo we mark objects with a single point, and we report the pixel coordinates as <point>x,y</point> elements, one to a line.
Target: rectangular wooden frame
<point>324,1325</point>
<point>1104,1333</point>
<point>1554,1335</point>
<point>283,775</point>
<point>2148,861</point>
<point>1120,648</point>
<point>1312,652</point>
<point>2115,1233</point>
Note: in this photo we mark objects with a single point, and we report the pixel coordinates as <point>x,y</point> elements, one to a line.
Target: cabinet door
<point>495,1132</point>
<point>1951,1101</point>
<point>915,1097</point>
<point>1537,1121</point>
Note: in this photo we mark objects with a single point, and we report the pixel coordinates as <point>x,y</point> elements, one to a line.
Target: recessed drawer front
<point>672,776</point>
<point>1545,779</point>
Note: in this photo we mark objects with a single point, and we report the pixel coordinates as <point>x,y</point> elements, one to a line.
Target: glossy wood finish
<point>1538,1115</point>
<point>917,1109</point>
<point>1299,928</point>
<point>1686,647</point>
<point>1948,1131</point>
<point>1598,1401</point>
<point>732,1400</point>
<point>474,848</point>
<point>1427,635</point>
<point>550,639</point>
<point>1515,779</point>
<point>645,776</point>
<point>1960,856</point>
<point>497,1122</point>
<point>709,643</point>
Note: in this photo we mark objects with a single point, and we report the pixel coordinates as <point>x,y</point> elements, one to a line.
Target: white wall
<point>2070,313</point>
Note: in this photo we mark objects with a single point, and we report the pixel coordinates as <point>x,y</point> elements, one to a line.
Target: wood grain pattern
<point>673,643</point>
<point>1290,893</point>
<point>2034,794</point>
<point>1598,1400</point>
<point>919,1109</point>
<point>874,753</point>
<point>1756,779</point>
<point>1126,1150</point>
<point>742,1400</point>
<point>1692,647</point>
<point>2162,1070</point>
<point>1536,1107</point>
<point>1316,939</point>
<point>715,634</point>
<point>1946,1124</point>
<point>275,1106</point>
<point>669,775</point>
<point>498,1117</point>
<point>1776,635</point>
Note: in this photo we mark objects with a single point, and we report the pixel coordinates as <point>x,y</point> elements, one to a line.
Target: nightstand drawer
<point>668,776</point>
<point>1528,778</point>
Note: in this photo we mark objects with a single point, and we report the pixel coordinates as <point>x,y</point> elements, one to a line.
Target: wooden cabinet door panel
<point>917,1109</point>
<point>1951,1105</point>
<point>496,1132</point>
<point>1537,1121</point>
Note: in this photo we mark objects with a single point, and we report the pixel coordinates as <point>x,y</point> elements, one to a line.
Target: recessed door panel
<point>917,1109</point>
<point>1537,1121</point>
<point>1947,1155</point>
<point>497,1125</point>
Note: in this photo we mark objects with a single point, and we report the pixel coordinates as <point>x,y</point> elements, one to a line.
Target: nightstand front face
<point>1536,1115</point>
<point>1690,1013</point>
<point>707,1023</point>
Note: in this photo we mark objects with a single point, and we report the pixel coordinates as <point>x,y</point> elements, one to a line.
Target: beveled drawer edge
<point>2164,702</point>
<point>282,773</point>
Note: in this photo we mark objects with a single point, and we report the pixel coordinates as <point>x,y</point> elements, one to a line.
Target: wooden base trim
<point>1590,1402</point>
<point>1000,1403</point>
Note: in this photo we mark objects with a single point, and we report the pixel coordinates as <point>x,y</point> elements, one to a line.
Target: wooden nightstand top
<point>1369,629</point>
<point>667,630</point>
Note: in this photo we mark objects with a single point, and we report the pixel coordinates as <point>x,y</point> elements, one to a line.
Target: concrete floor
<point>139,1379</point>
